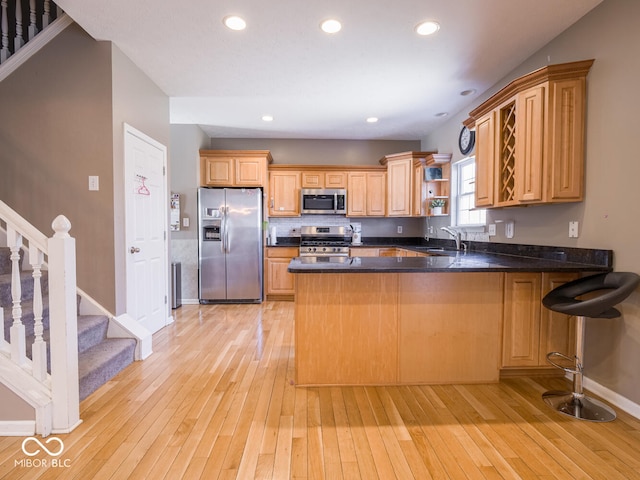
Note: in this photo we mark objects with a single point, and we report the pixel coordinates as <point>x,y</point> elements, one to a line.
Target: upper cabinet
<point>234,168</point>
<point>324,179</point>
<point>408,194</point>
<point>530,139</point>
<point>366,193</point>
<point>284,192</point>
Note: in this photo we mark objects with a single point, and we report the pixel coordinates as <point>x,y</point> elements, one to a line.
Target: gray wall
<point>607,217</point>
<point>13,407</point>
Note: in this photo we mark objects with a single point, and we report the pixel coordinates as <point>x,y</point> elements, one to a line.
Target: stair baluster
<point>46,16</point>
<point>33,27</point>
<point>17,332</point>
<point>4,28</point>
<point>39,349</point>
<point>18,42</point>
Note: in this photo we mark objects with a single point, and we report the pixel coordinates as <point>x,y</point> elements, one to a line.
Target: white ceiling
<point>321,86</point>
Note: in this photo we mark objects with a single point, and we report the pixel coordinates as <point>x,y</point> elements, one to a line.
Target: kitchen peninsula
<point>449,317</point>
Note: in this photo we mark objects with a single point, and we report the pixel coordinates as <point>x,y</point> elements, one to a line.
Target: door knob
<point>134,249</point>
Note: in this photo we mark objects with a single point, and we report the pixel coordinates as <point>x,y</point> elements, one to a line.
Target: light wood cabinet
<point>366,194</point>
<point>324,179</point>
<point>284,194</point>
<point>400,187</point>
<point>407,191</point>
<point>363,252</point>
<point>530,331</point>
<point>279,283</point>
<point>234,168</point>
<point>530,139</point>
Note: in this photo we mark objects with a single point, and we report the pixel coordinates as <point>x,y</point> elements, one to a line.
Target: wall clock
<point>466,140</point>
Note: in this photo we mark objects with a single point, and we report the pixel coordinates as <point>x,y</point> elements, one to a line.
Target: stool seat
<point>612,288</point>
<point>618,286</point>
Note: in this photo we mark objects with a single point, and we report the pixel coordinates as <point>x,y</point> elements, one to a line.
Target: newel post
<point>63,327</point>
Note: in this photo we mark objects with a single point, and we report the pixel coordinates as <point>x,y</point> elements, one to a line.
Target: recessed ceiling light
<point>267,118</point>
<point>372,119</point>
<point>441,114</point>
<point>331,26</point>
<point>427,28</point>
<point>234,22</point>
<point>466,93</point>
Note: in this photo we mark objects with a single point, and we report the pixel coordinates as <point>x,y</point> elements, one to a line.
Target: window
<point>464,183</point>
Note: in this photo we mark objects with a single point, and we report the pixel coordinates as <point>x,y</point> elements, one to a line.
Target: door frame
<point>129,130</point>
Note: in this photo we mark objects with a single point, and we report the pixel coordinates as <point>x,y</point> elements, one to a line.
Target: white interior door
<point>147,271</point>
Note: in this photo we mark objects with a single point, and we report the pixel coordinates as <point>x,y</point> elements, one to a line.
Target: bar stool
<point>614,287</point>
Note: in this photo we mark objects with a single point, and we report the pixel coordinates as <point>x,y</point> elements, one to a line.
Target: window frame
<point>456,188</point>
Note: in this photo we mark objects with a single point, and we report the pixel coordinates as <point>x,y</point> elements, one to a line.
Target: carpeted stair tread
<point>92,329</point>
<point>100,363</point>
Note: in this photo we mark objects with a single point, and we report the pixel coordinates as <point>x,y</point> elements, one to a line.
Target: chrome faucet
<point>455,234</point>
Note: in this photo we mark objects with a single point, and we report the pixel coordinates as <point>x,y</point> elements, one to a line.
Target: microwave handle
<point>335,203</point>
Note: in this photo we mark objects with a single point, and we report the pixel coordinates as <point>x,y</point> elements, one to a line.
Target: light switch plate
<point>185,221</point>
<point>94,183</point>
<point>573,229</point>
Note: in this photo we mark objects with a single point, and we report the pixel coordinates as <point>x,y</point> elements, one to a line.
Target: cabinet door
<point>521,330</point>
<point>335,180</point>
<point>530,129</point>
<point>419,192</point>
<point>485,157</point>
<point>376,194</point>
<point>312,180</point>
<point>357,194</point>
<point>250,172</point>
<point>557,330</point>
<point>284,193</point>
<point>399,182</point>
<point>279,280</point>
<point>566,140</point>
<point>218,171</point>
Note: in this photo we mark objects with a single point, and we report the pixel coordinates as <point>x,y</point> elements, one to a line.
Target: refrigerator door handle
<point>227,247</point>
<point>223,227</point>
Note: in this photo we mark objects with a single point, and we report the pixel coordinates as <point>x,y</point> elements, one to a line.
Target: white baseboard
<point>17,428</point>
<point>612,397</point>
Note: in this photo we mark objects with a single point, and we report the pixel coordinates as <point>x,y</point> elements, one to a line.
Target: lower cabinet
<point>279,283</point>
<point>530,330</point>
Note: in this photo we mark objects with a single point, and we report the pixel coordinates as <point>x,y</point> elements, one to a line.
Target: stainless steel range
<point>330,241</point>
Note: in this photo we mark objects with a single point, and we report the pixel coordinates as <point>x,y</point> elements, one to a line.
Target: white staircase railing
<point>13,35</point>
<point>57,256</point>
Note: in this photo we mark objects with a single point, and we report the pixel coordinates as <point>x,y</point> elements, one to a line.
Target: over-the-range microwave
<point>323,201</point>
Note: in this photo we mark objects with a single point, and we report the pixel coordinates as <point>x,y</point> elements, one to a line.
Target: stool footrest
<point>577,368</point>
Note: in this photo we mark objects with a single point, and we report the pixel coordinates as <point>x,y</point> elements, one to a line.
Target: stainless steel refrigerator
<point>230,245</point>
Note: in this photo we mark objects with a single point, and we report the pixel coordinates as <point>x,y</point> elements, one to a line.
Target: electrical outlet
<point>573,229</point>
<point>399,228</point>
<point>185,222</point>
<point>492,229</point>
<point>431,230</point>
<point>509,229</point>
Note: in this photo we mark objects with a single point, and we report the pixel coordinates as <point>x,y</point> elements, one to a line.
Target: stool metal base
<point>579,406</point>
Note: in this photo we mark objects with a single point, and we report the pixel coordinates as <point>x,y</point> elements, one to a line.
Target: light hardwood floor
<point>217,400</point>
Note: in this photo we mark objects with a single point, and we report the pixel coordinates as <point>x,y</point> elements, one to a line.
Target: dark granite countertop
<point>481,257</point>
